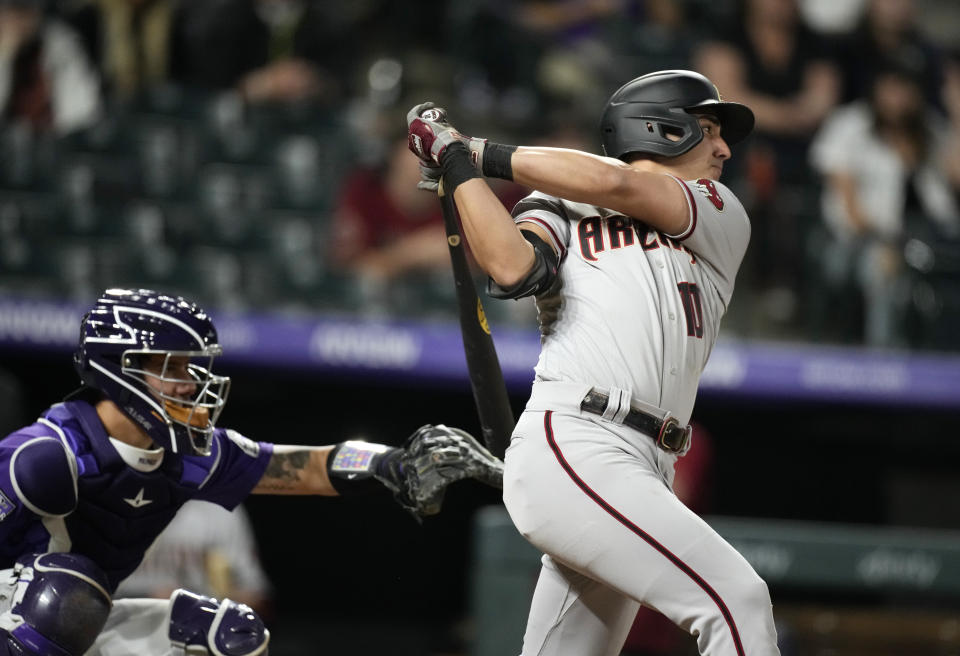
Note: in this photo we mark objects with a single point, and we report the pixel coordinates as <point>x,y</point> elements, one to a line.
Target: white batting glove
<point>429,133</point>
<point>429,177</point>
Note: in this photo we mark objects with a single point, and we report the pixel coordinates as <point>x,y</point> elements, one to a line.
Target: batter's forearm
<point>495,241</point>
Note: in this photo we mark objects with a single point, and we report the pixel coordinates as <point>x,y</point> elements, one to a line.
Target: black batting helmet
<point>641,115</point>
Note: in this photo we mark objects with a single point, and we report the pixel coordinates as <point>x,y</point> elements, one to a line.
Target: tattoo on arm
<point>285,471</point>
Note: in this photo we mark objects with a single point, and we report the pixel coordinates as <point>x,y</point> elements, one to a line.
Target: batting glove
<point>430,175</point>
<point>429,133</point>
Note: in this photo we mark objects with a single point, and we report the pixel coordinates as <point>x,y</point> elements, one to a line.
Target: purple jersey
<point>119,510</point>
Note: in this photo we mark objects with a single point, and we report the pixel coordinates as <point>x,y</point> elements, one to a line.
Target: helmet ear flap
<point>131,361</point>
<point>80,363</point>
<point>633,128</point>
<point>80,357</point>
<point>640,115</point>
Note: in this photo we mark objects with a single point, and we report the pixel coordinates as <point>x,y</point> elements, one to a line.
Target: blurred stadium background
<point>827,454</point>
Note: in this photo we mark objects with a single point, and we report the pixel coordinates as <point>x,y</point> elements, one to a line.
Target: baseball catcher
<point>88,487</point>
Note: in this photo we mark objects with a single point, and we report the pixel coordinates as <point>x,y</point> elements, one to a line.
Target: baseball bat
<point>483,365</point>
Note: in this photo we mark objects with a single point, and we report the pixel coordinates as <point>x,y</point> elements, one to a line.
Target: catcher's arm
<point>297,469</point>
<point>417,474</point>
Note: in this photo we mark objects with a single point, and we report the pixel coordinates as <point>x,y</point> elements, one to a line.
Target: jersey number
<point>692,308</point>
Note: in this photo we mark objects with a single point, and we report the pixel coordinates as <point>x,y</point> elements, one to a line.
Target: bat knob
<point>435,114</point>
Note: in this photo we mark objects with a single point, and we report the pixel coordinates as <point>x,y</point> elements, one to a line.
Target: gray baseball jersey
<point>641,309</point>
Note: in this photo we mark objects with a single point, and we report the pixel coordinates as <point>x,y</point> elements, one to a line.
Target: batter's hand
<point>436,456</point>
<point>429,177</point>
<point>429,132</point>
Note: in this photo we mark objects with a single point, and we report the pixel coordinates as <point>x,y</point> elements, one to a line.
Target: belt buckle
<point>673,437</point>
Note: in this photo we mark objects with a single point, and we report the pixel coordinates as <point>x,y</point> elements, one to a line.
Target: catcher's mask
<point>152,355</point>
<point>657,114</point>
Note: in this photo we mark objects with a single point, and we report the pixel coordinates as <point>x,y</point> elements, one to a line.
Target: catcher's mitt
<point>434,457</point>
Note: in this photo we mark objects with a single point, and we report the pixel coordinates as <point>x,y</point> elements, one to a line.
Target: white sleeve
<point>718,231</point>
<point>834,146</point>
<point>549,213</point>
<point>76,85</point>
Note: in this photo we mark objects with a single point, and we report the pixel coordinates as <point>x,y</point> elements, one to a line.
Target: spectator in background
<point>888,29</point>
<point>207,549</point>
<point>832,17</point>
<point>385,230</point>
<point>951,101</point>
<point>46,80</point>
<point>661,38</point>
<point>548,53</point>
<point>577,40</point>
<point>882,165</point>
<point>383,226</point>
<point>137,44</point>
<point>269,50</point>
<point>772,62</point>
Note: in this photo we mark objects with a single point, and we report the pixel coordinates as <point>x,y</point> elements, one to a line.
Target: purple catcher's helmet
<point>129,330</point>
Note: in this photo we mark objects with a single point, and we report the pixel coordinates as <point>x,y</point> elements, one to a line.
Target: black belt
<point>666,431</point>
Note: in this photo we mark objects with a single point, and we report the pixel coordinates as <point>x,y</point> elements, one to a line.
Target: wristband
<point>457,167</point>
<point>498,161</point>
<point>359,468</point>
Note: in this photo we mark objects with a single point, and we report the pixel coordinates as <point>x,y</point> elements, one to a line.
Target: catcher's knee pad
<point>60,605</point>
<point>202,625</point>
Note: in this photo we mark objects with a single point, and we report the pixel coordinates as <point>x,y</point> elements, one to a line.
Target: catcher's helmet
<point>642,113</point>
<point>123,329</point>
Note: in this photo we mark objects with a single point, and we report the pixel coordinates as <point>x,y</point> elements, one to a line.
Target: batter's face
<point>705,160</point>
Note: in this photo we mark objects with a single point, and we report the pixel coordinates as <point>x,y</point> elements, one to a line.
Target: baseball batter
<point>632,259</point>
<point>88,487</point>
